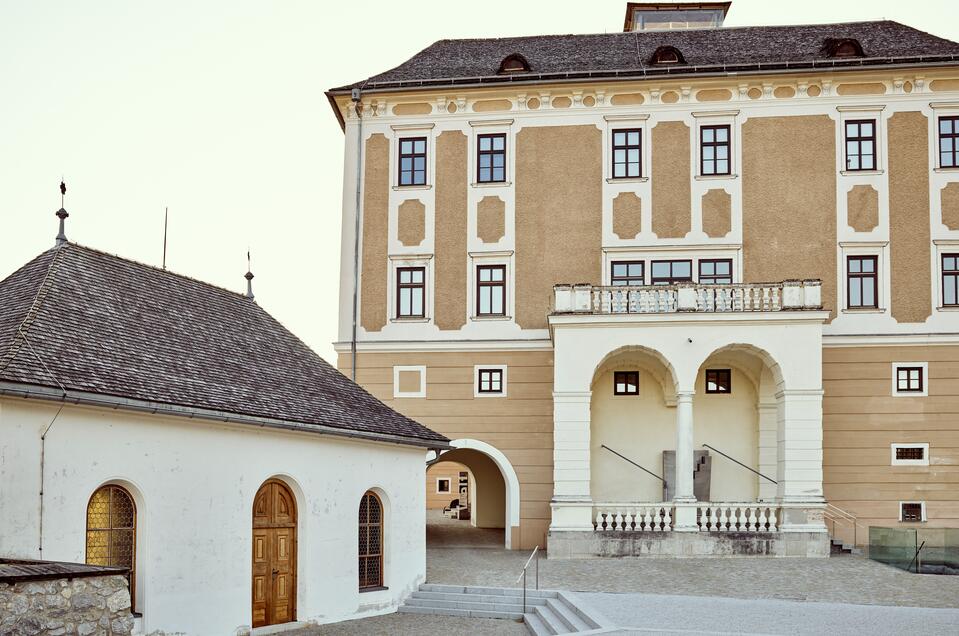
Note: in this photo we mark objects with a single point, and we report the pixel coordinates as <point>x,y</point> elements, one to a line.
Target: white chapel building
<point>159,423</point>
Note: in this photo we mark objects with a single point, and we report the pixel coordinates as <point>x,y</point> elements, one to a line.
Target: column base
<point>684,514</point>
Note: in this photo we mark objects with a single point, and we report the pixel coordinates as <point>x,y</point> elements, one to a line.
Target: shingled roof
<point>101,325</point>
<point>627,55</point>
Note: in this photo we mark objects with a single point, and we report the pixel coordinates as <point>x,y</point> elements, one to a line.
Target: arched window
<point>371,541</point>
<point>112,531</point>
<point>667,55</point>
<point>514,63</point>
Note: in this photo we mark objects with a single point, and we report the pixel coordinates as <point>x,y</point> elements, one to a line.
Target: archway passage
<point>274,555</point>
<point>466,501</point>
<point>112,532</point>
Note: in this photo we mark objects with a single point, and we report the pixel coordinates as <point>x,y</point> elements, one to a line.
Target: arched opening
<point>111,537</point>
<point>370,542</point>
<point>482,484</point>
<point>274,554</point>
<point>666,55</point>
<point>632,421</point>
<point>736,423</point>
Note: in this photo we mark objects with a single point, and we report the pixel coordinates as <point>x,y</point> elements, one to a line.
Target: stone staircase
<point>547,612</point>
<point>838,547</point>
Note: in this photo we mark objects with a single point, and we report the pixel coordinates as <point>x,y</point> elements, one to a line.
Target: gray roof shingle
<point>717,50</point>
<point>110,326</point>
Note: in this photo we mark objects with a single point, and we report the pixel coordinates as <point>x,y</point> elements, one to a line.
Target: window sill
<point>411,320</point>
<point>477,394</point>
<point>864,310</point>
<point>380,588</point>
<point>412,187</point>
<point>627,179</point>
<point>715,177</point>
<point>490,318</point>
<point>860,173</point>
<point>492,184</point>
<point>947,170</point>
<point>948,308</point>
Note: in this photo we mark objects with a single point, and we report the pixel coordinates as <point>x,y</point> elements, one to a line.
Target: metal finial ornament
<point>62,215</point>
<point>249,277</point>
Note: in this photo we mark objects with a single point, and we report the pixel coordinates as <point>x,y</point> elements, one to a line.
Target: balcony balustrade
<point>710,517</point>
<point>790,295</point>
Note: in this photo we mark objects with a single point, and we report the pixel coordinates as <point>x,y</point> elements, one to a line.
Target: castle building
<point>691,281</point>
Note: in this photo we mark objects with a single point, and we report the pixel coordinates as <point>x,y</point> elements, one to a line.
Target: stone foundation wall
<point>588,545</point>
<point>81,606</point>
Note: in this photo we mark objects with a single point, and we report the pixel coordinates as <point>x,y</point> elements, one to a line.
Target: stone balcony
<point>789,295</point>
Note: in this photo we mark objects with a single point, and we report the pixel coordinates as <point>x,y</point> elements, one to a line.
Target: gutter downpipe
<point>358,109</point>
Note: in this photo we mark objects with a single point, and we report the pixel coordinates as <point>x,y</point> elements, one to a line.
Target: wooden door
<point>274,555</point>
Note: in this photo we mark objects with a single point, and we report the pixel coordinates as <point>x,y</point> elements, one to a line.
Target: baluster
<point>599,520</point>
<point>777,303</point>
<point>721,519</point>
<point>667,519</point>
<point>772,519</point>
<point>647,520</point>
<point>752,523</point>
<point>711,522</point>
<point>618,521</point>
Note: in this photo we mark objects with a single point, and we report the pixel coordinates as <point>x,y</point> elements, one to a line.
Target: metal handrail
<point>632,462</point>
<point>844,515</point>
<point>523,575</point>
<point>740,463</point>
<point>918,550</point>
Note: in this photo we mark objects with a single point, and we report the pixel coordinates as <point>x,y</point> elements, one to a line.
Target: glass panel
<point>417,275</point>
<point>868,293</point>
<point>619,269</point>
<point>949,290</point>
<point>633,139</point>
<point>419,147</point>
<point>682,269</point>
<point>406,164</point>
<point>635,269</point>
<point>722,166</point>
<point>485,175</point>
<point>419,163</point>
<point>416,302</point>
<point>852,130</point>
<point>855,292</point>
<point>945,126</point>
<point>484,274</point>
<point>855,265</point>
<point>892,546</point>
<point>708,152</point>
<point>945,144</point>
<point>707,268</point>
<point>852,147</point>
<point>708,167</point>
<point>866,130</point>
<point>707,134</point>
<point>619,156</point>
<point>499,143</point>
<point>946,160</point>
<point>498,174</point>
<point>722,134</point>
<point>619,138</point>
<point>722,152</point>
<point>868,265</point>
<point>949,263</point>
<point>660,270</point>
<point>723,267</point>
<point>867,148</point>
<point>497,304</point>
<point>405,309</point>
<point>633,156</point>
<point>406,147</point>
<point>484,300</point>
<point>499,161</point>
<point>485,143</point>
<point>619,170</point>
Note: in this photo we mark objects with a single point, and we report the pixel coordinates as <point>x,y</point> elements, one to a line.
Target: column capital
<point>685,396</point>
<point>572,396</point>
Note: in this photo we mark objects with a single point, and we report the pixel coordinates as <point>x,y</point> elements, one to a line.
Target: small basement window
<point>718,381</point>
<point>910,454</point>
<point>626,383</point>
<point>912,511</point>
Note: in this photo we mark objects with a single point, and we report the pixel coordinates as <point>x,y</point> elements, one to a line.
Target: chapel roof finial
<point>249,277</point>
<point>62,214</point>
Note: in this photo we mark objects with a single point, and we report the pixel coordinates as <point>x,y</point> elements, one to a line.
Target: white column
<point>800,460</point>
<point>685,514</point>
<point>768,448</point>
<point>572,505</point>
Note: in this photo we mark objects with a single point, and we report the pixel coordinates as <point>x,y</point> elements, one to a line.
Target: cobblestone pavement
<point>443,532</point>
<point>846,579</point>
<point>415,625</point>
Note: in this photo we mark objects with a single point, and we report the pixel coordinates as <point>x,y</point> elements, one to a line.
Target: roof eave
<point>648,73</point>
<point>86,398</point>
<point>331,98</point>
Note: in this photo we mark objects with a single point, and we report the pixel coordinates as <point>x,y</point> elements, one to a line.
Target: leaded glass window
<point>370,541</point>
<point>111,531</point>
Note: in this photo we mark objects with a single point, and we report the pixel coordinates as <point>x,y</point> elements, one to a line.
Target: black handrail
<point>633,463</point>
<point>916,556</point>
<point>740,463</point>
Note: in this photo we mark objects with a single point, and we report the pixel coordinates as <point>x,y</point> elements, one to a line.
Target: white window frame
<point>871,248</point>
<point>941,109</point>
<point>850,113</point>
<point>925,379</point>
<point>403,131</point>
<point>494,367</point>
<point>910,462</point>
<point>717,118</point>
<point>618,122</point>
<point>409,394</point>
<point>693,253</point>
<point>491,258</point>
<point>491,127</point>
<point>947,246</point>
<point>921,503</point>
<point>449,483</point>
<point>411,260</point>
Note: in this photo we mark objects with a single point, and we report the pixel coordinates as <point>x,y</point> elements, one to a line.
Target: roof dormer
<point>513,63</point>
<point>666,55</point>
<point>666,16</point>
<point>843,47</point>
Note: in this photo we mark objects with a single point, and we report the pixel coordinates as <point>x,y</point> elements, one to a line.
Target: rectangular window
<point>491,158</point>
<point>627,153</point>
<point>912,511</point>
<point>627,273</point>
<point>949,142</point>
<point>410,292</point>
<point>669,272</point>
<point>909,379</point>
<point>491,290</point>
<point>412,161</point>
<point>718,381</point>
<point>714,150</point>
<point>910,454</point>
<point>442,486</point>
<point>950,280</point>
<point>716,271</point>
<point>862,282</point>
<point>861,144</point>
<point>626,383</point>
<point>490,381</point>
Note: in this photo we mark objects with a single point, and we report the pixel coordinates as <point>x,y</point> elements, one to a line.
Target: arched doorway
<point>112,532</point>
<point>484,483</point>
<point>274,554</point>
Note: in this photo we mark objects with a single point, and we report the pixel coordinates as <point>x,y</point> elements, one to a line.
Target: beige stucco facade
<point>788,210</point>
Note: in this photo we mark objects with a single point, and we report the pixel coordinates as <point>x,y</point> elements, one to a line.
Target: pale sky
<point>216,109</point>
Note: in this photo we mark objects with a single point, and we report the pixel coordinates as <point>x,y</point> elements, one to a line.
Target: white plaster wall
<point>640,427</point>
<point>194,483</point>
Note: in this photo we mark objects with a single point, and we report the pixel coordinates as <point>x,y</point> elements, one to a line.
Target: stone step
<point>479,598</point>
<point>466,613</point>
<point>465,603</point>
<point>489,591</point>
<point>554,624</point>
<point>573,621</point>
<point>535,625</point>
